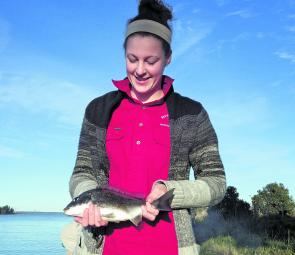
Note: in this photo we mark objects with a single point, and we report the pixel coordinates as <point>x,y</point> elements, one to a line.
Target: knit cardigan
<point>193,144</point>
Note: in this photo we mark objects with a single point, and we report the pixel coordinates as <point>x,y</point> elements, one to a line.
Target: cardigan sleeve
<point>209,186</point>
<point>83,177</point>
<point>91,168</point>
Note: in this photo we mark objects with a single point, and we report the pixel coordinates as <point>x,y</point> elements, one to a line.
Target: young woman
<point>143,138</point>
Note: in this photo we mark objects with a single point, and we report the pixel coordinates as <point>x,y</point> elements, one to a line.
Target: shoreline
<point>32,212</point>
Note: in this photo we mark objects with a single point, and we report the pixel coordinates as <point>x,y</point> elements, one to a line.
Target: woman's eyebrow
<point>148,57</point>
<point>131,55</point>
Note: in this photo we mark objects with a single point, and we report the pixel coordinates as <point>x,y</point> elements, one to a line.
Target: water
<point>32,233</point>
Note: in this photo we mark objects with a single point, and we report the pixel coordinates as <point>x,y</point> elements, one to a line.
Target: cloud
<point>240,111</point>
<point>292,90</point>
<point>291,29</point>
<point>245,14</point>
<point>260,35</point>
<point>187,44</point>
<point>8,152</point>
<point>257,152</point>
<point>179,7</point>
<point>232,42</point>
<point>240,37</point>
<point>286,56</point>
<point>4,34</point>
<point>188,35</point>
<point>62,100</point>
<point>195,11</point>
<point>277,83</point>
<point>221,3</point>
<point>259,159</point>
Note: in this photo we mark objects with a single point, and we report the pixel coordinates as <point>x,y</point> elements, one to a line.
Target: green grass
<point>226,245</point>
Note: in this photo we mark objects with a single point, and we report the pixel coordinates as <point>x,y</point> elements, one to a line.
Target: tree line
<point>6,210</point>
<point>274,199</point>
<point>271,213</point>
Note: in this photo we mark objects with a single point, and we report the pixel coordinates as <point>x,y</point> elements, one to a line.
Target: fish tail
<point>163,203</point>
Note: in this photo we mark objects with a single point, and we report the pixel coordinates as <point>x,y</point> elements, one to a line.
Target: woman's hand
<point>148,210</point>
<point>91,217</point>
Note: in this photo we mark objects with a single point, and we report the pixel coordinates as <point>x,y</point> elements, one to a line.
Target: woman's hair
<point>157,11</point>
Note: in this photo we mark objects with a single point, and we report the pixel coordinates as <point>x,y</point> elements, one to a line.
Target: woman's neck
<point>147,98</point>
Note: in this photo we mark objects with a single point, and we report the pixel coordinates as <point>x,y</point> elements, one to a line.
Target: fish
<point>116,206</point>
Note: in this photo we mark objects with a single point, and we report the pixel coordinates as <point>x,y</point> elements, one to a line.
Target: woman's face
<point>145,64</point>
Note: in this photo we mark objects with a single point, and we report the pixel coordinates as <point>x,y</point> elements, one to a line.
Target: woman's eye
<point>151,61</point>
<point>132,60</point>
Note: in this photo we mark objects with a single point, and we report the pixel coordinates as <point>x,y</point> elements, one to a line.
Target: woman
<point>142,139</point>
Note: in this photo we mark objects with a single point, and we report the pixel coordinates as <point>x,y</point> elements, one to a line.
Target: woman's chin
<point>141,88</point>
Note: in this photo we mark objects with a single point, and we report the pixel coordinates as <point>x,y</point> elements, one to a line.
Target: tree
<point>231,205</point>
<point>273,199</point>
<point>6,210</point>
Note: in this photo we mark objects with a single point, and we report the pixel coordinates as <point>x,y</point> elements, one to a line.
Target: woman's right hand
<point>91,217</point>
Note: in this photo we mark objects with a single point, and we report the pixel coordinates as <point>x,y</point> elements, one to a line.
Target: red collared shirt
<point>138,147</point>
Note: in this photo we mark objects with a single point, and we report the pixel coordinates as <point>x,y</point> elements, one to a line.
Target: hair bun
<point>155,9</point>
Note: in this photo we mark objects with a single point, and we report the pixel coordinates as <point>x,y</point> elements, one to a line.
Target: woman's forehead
<point>144,44</point>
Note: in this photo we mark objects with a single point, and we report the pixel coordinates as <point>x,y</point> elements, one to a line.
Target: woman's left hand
<point>148,210</point>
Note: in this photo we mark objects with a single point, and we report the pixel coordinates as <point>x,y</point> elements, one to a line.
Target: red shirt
<point>138,147</point>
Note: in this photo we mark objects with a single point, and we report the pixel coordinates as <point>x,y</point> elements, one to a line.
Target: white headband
<point>150,26</point>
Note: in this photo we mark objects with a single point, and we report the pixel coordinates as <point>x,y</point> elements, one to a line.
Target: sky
<point>235,57</point>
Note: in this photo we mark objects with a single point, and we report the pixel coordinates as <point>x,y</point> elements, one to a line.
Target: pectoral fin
<point>135,214</point>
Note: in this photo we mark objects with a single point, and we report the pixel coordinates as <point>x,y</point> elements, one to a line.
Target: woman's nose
<point>140,69</point>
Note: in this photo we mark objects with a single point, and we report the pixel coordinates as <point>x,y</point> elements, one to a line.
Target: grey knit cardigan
<point>193,144</point>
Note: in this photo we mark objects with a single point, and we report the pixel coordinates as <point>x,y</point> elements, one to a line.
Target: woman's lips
<point>141,80</point>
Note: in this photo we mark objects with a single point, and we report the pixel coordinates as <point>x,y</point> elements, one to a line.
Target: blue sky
<point>236,57</point>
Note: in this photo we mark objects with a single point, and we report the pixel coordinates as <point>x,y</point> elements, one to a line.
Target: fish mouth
<point>76,211</point>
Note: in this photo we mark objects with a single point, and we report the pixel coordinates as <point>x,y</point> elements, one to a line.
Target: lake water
<point>32,233</point>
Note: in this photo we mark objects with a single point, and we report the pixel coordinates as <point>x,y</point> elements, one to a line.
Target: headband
<point>150,26</point>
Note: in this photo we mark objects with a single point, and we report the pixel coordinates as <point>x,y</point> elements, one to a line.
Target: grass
<point>227,245</point>
<point>244,236</point>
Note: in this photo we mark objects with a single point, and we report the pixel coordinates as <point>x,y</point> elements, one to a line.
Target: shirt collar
<point>125,86</point>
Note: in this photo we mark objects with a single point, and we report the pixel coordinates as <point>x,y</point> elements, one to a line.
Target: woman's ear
<point>168,59</point>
